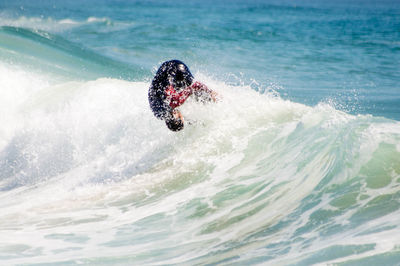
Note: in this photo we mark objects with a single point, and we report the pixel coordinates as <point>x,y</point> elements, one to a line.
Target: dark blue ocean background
<point>343,52</point>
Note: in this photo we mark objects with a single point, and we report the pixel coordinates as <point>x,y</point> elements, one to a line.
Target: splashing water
<point>87,174</point>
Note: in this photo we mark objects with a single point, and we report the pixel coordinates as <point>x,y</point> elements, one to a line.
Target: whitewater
<point>89,176</point>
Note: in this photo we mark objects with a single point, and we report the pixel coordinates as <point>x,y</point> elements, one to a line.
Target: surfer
<point>171,86</point>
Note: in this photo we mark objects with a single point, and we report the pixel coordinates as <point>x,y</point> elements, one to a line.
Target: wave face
<point>89,176</point>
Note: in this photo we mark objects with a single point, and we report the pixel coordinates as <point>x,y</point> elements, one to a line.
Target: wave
<point>86,169</point>
<point>255,179</point>
<point>50,24</point>
<point>50,53</point>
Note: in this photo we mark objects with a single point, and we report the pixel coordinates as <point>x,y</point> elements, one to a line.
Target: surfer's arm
<point>203,92</point>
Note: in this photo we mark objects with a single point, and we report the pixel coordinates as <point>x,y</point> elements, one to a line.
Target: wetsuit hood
<point>176,73</point>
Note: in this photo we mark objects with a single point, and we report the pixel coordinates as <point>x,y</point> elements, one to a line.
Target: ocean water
<point>297,164</point>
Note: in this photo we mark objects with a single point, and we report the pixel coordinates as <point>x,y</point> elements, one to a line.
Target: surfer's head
<point>178,74</point>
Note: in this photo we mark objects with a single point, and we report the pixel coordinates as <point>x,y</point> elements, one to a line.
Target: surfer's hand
<point>215,97</point>
<point>177,114</point>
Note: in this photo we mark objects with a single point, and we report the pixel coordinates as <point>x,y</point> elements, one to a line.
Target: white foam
<point>90,158</point>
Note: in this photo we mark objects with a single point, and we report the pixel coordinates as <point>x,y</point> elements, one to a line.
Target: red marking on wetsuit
<point>177,98</point>
<point>198,86</point>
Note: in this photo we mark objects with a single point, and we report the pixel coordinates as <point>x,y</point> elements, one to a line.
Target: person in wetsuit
<point>171,86</point>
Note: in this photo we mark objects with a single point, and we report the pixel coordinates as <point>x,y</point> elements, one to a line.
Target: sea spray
<point>92,175</point>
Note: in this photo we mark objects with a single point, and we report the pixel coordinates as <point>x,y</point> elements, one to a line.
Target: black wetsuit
<point>174,73</point>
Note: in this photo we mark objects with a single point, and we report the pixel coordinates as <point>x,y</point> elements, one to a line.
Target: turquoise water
<point>298,164</point>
